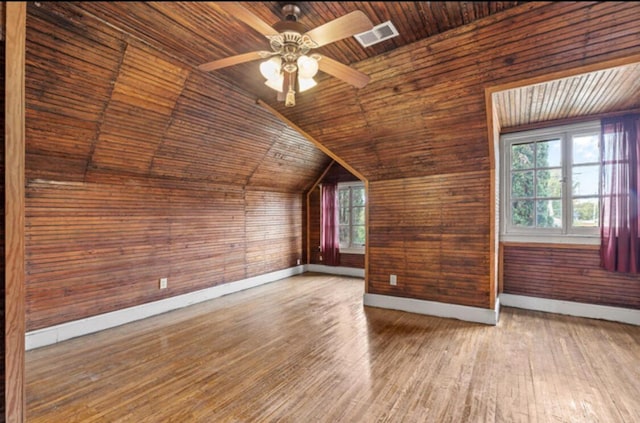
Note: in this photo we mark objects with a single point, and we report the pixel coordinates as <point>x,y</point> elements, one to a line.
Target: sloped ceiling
<point>588,94</point>
<point>113,88</point>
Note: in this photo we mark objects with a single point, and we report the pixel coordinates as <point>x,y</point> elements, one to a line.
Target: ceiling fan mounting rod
<point>291,12</point>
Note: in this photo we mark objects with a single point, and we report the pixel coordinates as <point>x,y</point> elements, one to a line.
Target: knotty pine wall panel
<point>566,273</point>
<point>433,234</point>
<point>95,247</point>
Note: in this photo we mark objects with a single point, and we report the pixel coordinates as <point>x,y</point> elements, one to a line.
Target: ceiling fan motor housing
<point>290,23</point>
<point>290,43</point>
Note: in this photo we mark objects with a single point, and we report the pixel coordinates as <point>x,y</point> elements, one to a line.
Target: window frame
<point>352,249</point>
<point>568,233</point>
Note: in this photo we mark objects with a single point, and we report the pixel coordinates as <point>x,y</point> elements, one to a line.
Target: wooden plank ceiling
<point>589,94</point>
<point>113,88</point>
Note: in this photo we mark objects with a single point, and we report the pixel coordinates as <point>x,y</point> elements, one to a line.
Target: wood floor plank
<point>305,349</point>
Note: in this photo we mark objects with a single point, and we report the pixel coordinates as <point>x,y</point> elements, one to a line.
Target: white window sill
<point>552,239</point>
<point>352,251</point>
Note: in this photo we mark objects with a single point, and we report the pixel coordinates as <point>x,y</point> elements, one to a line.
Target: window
<point>551,184</point>
<point>351,202</point>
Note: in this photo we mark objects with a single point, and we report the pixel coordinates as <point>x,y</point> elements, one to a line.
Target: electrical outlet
<point>393,279</point>
<point>163,283</point>
<point>298,262</point>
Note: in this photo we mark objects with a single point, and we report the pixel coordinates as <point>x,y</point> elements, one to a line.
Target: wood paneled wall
<point>274,231</point>
<point>140,167</point>
<point>418,133</point>
<point>352,260</point>
<point>433,233</point>
<point>566,273</point>
<point>96,247</point>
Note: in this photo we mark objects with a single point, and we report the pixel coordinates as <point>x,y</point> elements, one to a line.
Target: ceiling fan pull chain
<point>290,99</point>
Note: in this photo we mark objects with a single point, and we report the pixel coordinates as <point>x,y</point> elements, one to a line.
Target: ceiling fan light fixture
<point>291,44</point>
<point>270,69</point>
<point>307,67</point>
<point>305,83</point>
<point>276,83</point>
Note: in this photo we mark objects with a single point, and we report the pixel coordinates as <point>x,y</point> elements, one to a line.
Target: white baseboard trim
<point>68,330</point>
<point>433,308</point>
<point>335,270</point>
<point>592,311</point>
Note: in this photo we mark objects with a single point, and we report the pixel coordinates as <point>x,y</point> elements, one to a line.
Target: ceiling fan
<point>289,66</point>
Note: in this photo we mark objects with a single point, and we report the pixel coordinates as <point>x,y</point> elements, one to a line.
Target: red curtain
<point>620,240</point>
<point>330,237</point>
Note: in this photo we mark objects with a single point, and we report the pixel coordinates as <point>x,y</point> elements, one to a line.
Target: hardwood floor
<point>304,349</point>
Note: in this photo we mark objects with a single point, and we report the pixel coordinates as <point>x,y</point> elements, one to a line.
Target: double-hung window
<point>550,184</point>
<point>351,202</point>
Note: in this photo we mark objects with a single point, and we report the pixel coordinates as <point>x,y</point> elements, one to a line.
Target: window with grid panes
<point>551,184</point>
<point>351,203</point>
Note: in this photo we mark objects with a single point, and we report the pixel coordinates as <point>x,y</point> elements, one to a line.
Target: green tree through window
<point>352,199</point>
<point>536,188</point>
<point>551,181</point>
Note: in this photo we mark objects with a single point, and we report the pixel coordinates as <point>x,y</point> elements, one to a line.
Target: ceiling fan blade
<point>230,61</point>
<point>345,26</point>
<point>239,12</point>
<point>343,72</point>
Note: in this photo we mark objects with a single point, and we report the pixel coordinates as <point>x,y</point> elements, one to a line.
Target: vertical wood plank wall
<point>569,273</point>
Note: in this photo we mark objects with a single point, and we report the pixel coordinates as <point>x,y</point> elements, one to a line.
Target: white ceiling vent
<point>379,33</point>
